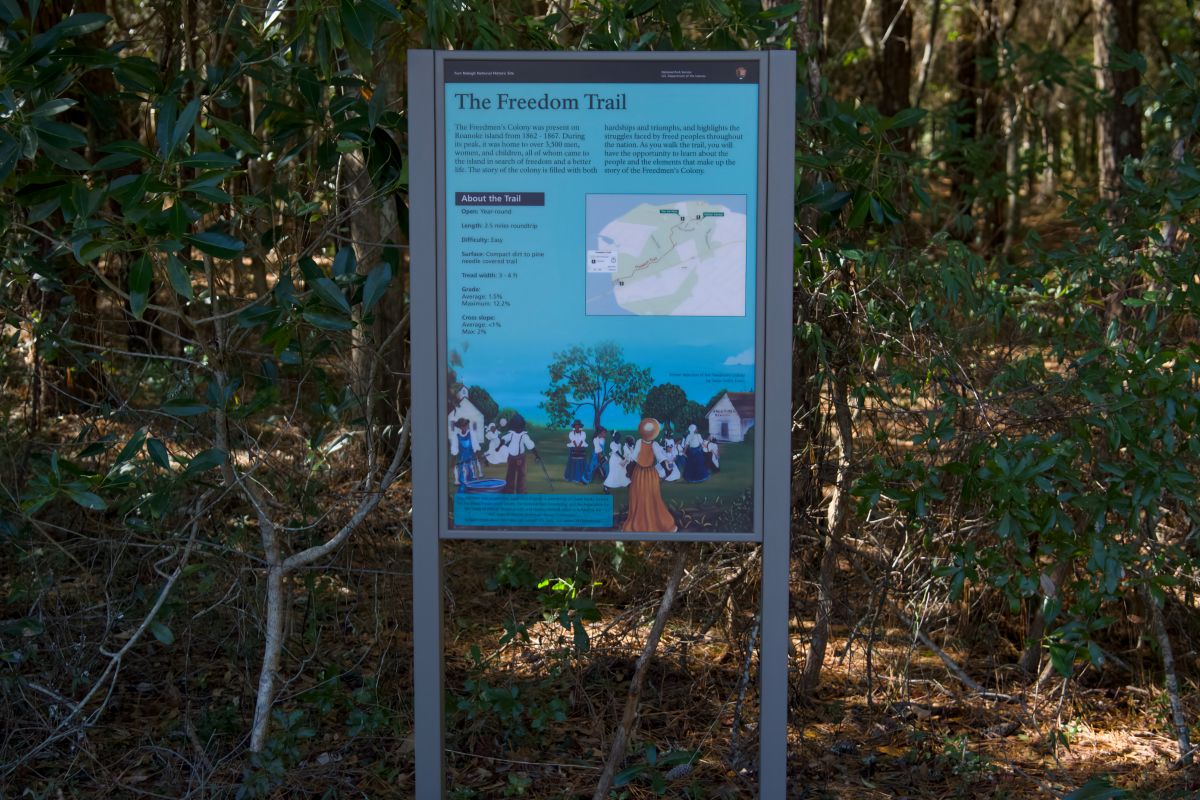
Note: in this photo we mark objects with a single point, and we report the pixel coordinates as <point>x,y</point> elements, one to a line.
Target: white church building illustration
<point>731,417</point>
<point>465,409</point>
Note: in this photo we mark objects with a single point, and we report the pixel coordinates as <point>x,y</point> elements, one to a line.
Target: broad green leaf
<point>162,633</point>
<point>23,628</point>
<point>907,118</point>
<point>330,322</point>
<point>1063,659</point>
<point>1184,71</point>
<point>41,211</point>
<point>10,153</point>
<point>81,24</point>
<point>238,136</point>
<point>181,282</point>
<point>827,197</point>
<point>183,125</point>
<point>309,269</point>
<point>206,190</point>
<point>10,12</point>
<point>580,635</point>
<point>218,245</point>
<point>209,161</point>
<point>67,159</point>
<point>780,12</point>
<point>132,446</point>
<point>31,504</point>
<point>140,274</point>
<point>376,286</point>
<point>87,250</point>
<point>96,448</point>
<point>183,407</point>
<point>360,26</point>
<point>922,195</point>
<point>88,500</point>
<point>253,316</point>
<point>386,8</point>
<point>158,453</point>
<point>60,134</point>
<point>167,110</point>
<point>626,775</point>
<point>876,210</point>
<point>344,262</point>
<point>858,215</point>
<point>52,108</point>
<point>138,74</point>
<point>205,461</point>
<point>328,291</point>
<point>115,161</point>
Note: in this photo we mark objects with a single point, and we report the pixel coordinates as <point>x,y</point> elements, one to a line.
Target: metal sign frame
<point>773,340</point>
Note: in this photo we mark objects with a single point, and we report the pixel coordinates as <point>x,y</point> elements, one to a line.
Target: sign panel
<point>602,243</point>
<point>603,238</point>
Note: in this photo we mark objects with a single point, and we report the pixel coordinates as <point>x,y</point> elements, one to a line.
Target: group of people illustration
<point>508,443</point>
<point>640,464</point>
<point>693,458</point>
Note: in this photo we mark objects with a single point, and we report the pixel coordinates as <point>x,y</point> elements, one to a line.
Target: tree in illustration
<point>594,377</point>
<point>713,401</point>
<point>664,402</point>
<point>692,413</point>
<point>482,399</point>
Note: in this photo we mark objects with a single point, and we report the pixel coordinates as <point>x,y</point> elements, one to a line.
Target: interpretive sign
<point>601,308</point>
<point>601,241</point>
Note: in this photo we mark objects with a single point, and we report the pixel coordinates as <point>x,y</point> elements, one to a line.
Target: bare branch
<point>108,677</point>
<point>365,507</point>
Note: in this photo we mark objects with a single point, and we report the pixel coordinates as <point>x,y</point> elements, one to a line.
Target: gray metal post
<point>773,664</point>
<point>428,309</point>
<point>425,426</point>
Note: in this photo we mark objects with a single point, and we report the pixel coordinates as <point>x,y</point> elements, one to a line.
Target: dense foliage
<point>203,377</point>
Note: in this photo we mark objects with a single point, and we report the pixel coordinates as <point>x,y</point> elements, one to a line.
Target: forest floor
<point>533,718</point>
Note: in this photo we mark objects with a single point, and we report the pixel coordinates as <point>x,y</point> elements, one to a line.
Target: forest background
<point>204,542</point>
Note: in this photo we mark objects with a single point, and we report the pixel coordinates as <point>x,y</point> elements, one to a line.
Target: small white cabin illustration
<point>467,410</point>
<point>732,416</point>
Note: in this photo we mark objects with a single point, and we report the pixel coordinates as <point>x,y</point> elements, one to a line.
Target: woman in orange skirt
<point>647,511</point>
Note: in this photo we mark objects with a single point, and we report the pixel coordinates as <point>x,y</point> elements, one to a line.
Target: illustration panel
<point>600,283</point>
<point>604,438</point>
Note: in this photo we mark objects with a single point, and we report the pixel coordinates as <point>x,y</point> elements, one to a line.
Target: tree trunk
<point>991,126</point>
<point>1051,131</point>
<point>836,517</point>
<point>1118,126</point>
<point>1118,131</point>
<point>895,63</point>
<point>1178,715</point>
<point>1012,171</point>
<point>366,232</point>
<point>272,649</point>
<point>616,753</point>
<point>1031,657</point>
<point>966,111</point>
<point>935,12</point>
<point>809,55</point>
<point>374,231</point>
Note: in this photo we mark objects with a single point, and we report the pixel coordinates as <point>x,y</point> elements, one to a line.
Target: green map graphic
<point>686,258</point>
